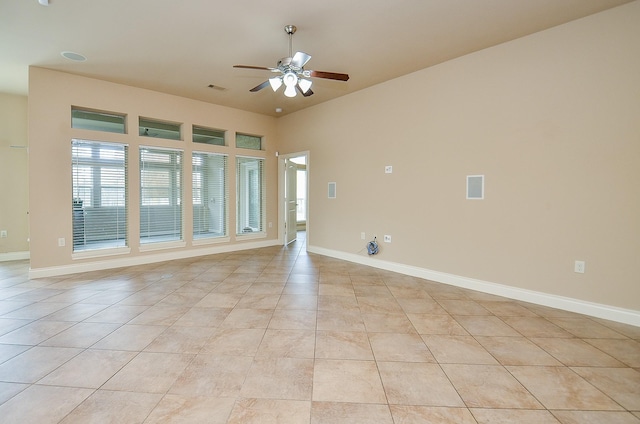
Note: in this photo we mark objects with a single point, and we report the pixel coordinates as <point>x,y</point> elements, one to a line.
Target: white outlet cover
<point>388,169</point>
<point>387,239</point>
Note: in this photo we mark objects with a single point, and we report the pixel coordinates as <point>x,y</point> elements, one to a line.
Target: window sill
<point>150,247</point>
<point>249,236</point>
<point>99,253</point>
<point>210,240</point>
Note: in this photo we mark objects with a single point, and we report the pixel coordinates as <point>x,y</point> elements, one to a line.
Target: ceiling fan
<point>292,72</point>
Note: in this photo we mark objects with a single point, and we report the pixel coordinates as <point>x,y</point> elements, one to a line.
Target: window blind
<point>209,195</point>
<point>160,195</point>
<point>250,187</point>
<point>99,183</point>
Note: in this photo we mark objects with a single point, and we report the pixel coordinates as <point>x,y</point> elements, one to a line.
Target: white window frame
<point>99,224</point>
<point>152,232</point>
<point>210,196</point>
<point>245,188</point>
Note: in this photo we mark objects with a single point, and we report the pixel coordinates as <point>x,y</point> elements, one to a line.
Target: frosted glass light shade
<point>290,91</point>
<point>275,82</point>
<point>305,85</point>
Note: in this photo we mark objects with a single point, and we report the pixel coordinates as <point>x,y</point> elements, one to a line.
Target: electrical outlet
<point>387,239</point>
<point>388,169</point>
<point>61,242</point>
<point>579,267</point>
<point>363,236</point>
<point>3,234</point>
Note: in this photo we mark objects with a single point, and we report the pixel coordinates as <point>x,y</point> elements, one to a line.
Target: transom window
<point>246,141</point>
<point>148,127</point>
<point>98,121</point>
<point>208,136</point>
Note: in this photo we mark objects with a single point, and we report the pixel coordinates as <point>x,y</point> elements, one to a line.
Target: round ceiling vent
<point>76,57</point>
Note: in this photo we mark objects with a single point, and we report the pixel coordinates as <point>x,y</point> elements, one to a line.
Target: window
<point>97,121</point>
<point>208,136</point>
<point>250,193</point>
<point>245,141</point>
<point>301,186</point>
<point>160,195</point>
<point>99,195</point>
<point>159,129</point>
<point>209,195</point>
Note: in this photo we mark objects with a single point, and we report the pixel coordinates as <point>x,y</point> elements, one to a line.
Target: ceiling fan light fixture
<point>305,85</point>
<point>292,73</point>
<point>290,79</point>
<point>290,91</point>
<point>275,82</point>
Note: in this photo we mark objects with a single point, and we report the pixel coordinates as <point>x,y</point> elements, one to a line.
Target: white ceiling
<point>180,47</point>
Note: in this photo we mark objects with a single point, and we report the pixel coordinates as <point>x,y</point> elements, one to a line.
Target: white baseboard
<point>120,262</point>
<point>613,313</point>
<point>14,256</point>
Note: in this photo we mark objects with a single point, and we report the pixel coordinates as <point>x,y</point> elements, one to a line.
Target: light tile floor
<point>276,335</point>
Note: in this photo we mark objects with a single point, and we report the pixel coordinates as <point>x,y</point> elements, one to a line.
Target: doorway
<point>293,183</point>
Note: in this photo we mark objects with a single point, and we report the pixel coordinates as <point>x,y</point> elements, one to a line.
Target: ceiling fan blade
<point>300,59</point>
<point>329,75</point>
<point>307,94</point>
<point>260,86</point>
<point>261,68</point>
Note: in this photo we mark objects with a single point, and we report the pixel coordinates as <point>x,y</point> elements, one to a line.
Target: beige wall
<point>553,122</point>
<point>14,202</point>
<point>51,95</point>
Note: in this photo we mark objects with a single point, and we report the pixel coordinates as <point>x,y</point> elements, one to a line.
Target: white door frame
<point>281,193</point>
